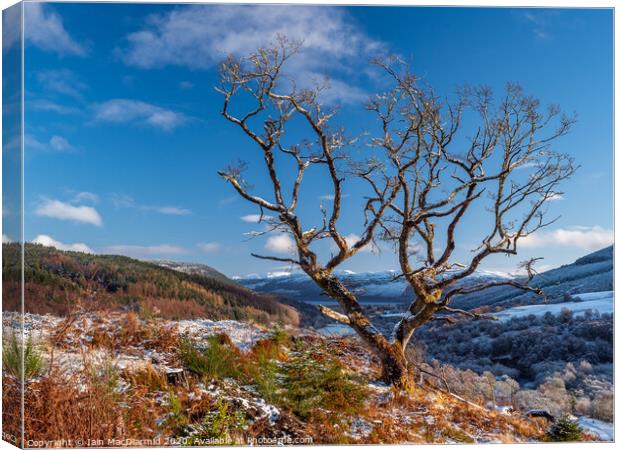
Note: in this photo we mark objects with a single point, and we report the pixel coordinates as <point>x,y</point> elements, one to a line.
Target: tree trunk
<point>392,356</point>
<point>396,370</point>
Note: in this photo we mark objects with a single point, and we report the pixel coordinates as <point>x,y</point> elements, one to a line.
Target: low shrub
<point>147,377</point>
<point>564,429</point>
<point>14,351</point>
<point>219,427</point>
<point>220,359</point>
<point>603,406</point>
<point>313,380</point>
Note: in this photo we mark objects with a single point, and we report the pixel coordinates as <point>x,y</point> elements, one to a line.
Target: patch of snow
<point>360,429</point>
<point>336,329</point>
<point>604,430</point>
<point>379,386</point>
<point>278,274</point>
<point>269,411</point>
<point>243,335</point>
<point>587,296</point>
<point>603,302</point>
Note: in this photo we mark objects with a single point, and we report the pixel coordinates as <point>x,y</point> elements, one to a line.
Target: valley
<point>134,318</point>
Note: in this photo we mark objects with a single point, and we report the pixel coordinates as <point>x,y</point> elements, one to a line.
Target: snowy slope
<point>603,302</point>
<point>591,273</point>
<point>370,287</point>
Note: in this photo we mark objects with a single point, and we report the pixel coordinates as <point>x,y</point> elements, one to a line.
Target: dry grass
<point>137,402</point>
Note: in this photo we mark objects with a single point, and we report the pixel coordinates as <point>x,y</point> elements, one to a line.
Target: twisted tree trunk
<point>396,370</point>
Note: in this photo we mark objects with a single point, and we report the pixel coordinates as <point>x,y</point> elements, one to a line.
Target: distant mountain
<point>193,268</point>
<point>57,281</point>
<point>309,314</point>
<point>370,287</point>
<point>590,273</point>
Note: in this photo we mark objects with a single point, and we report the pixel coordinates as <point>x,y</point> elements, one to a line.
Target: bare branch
<point>328,312</point>
<point>276,258</point>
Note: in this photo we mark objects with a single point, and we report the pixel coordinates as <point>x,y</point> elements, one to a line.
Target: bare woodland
<point>430,161</point>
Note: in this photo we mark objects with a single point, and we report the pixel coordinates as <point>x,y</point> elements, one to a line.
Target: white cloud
<point>144,251</point>
<point>280,243</point>
<point>56,209</point>
<point>55,143</point>
<point>586,238</point>
<point>255,218</point>
<point>86,197</point>
<point>210,247</point>
<point>48,105</point>
<point>44,28</point>
<point>63,81</point>
<point>32,143</point>
<point>6,239</point>
<point>60,143</point>
<point>200,36</point>
<point>186,85</point>
<point>48,241</point>
<point>555,197</point>
<point>170,210</point>
<point>11,27</point>
<point>352,239</point>
<point>134,111</point>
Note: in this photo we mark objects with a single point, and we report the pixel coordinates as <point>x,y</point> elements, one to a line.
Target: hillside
<point>370,287</point>
<point>57,281</point>
<point>200,382</point>
<point>309,315</point>
<point>590,273</point>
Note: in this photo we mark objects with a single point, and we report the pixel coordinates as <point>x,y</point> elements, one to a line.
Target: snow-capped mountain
<point>590,273</point>
<point>370,287</point>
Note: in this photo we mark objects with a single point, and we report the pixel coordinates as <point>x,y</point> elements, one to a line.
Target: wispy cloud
<point>48,241</point>
<point>280,243</point>
<point>86,197</point>
<point>209,247</point>
<point>144,251</point>
<point>255,218</point>
<point>55,143</point>
<point>228,200</point>
<point>10,29</point>
<point>60,143</point>
<point>586,238</point>
<point>56,209</point>
<point>138,112</point>
<point>43,27</point>
<point>62,81</point>
<point>169,210</point>
<point>539,20</point>
<point>200,36</point>
<point>49,106</point>
<point>125,201</point>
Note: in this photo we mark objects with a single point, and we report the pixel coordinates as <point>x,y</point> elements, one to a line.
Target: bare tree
<point>419,188</point>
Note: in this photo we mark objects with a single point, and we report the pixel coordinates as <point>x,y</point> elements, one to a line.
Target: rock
<point>540,413</point>
<point>175,376</point>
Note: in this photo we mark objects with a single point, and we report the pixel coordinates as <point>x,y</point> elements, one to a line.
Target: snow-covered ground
<point>336,329</point>
<point>243,335</point>
<point>604,430</point>
<point>603,302</point>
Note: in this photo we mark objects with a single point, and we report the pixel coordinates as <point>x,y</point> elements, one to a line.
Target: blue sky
<point>124,135</point>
